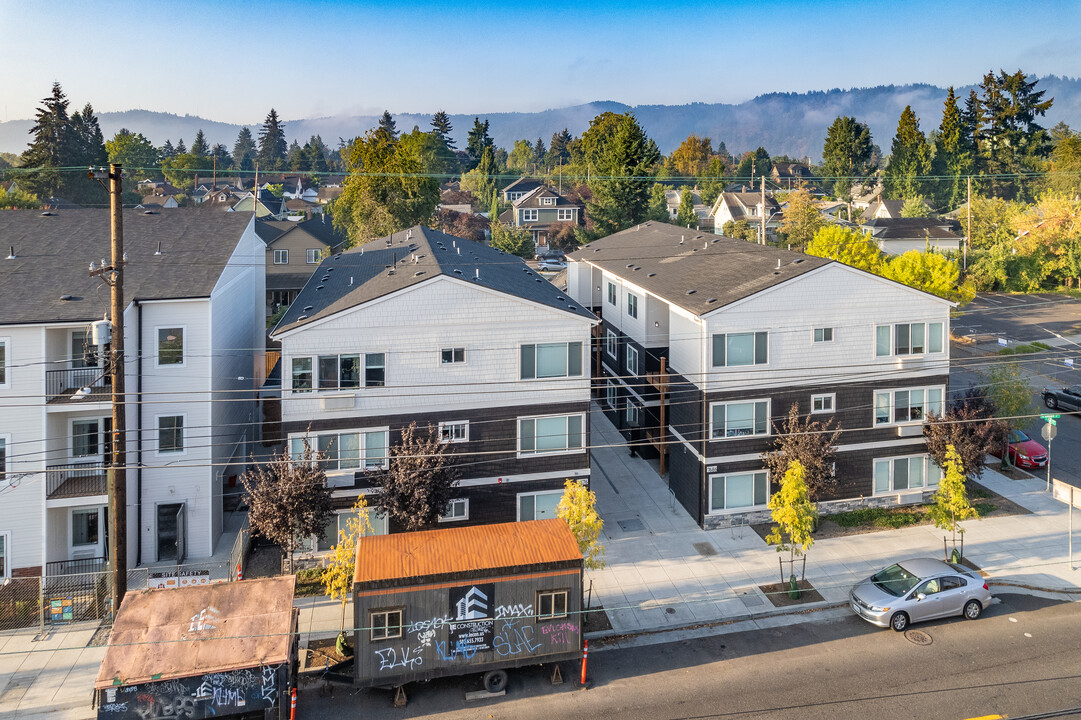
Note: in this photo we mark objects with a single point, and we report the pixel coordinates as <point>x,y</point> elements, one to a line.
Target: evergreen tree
<point>244,149</point>
<point>685,215</point>
<point>539,153</point>
<point>559,148</point>
<point>181,148</point>
<point>272,145</point>
<point>441,128</point>
<point>221,159</point>
<point>952,159</point>
<point>89,143</point>
<point>200,147</point>
<point>50,148</point>
<point>387,124</point>
<point>477,141</point>
<point>846,155</point>
<point>167,150</point>
<point>621,158</point>
<point>295,159</point>
<point>910,159</point>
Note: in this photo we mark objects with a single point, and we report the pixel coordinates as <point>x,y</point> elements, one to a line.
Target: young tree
<point>1011,396</point>
<point>578,507</point>
<point>288,499</point>
<point>848,246</point>
<point>794,515</point>
<point>951,505</point>
<point>910,159</point>
<point>686,216</point>
<point>915,207</point>
<point>420,481</point>
<point>338,574</point>
<point>801,219</point>
<point>521,156</point>
<point>741,230</point>
<point>272,145</point>
<point>846,155</point>
<point>387,124</point>
<point>18,200</point>
<point>809,443</point>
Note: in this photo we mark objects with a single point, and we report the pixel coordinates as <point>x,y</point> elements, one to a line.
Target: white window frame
<point>632,305</point>
<point>451,516</point>
<point>724,437</point>
<point>892,422</point>
<point>312,370</point>
<point>553,594</point>
<point>529,214</point>
<point>754,348</point>
<point>724,477</point>
<point>5,364</point>
<point>101,455</point>
<point>613,295</point>
<point>548,201</point>
<point>634,412</point>
<point>183,346</point>
<point>611,343</point>
<point>926,339</point>
<point>454,351</point>
<point>5,556</point>
<point>311,256</point>
<point>565,214</point>
<point>822,335</point>
<point>929,466</point>
<point>362,448</point>
<point>281,257</point>
<point>386,635</point>
<point>534,494</point>
<point>183,434</point>
<point>5,454</point>
<point>541,453</point>
<point>831,397</point>
<point>632,352</point>
<point>317,373</point>
<point>72,512</point>
<point>451,424</point>
<point>611,394</point>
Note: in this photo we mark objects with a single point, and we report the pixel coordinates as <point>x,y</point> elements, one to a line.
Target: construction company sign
<point>169,579</point>
<point>473,626</point>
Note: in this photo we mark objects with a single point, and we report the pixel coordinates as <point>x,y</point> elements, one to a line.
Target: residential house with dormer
<point>538,210</point>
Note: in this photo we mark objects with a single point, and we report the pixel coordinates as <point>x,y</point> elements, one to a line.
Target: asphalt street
<point>1019,318</point>
<point>1019,659</point>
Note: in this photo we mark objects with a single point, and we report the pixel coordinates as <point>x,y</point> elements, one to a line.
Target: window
<point>281,257</point>
<point>632,360</point>
<point>86,440</point>
<point>529,215</point>
<point>5,544</point>
<point>565,214</point>
<point>538,505</point>
<point>738,490</point>
<point>823,335</point>
<point>302,374</point>
<point>312,257</point>
<point>452,355</point>
<point>550,360</point>
<point>3,455</point>
<point>451,432</point>
<point>908,339</point>
<point>553,434</point>
<point>375,370</point>
<point>548,201</point>
<point>339,372</point>
<point>634,413</point>
<point>611,293</point>
<point>456,510</point>
<point>82,353</point>
<point>84,527</point>
<point>171,433</point>
<point>905,473</point>
<point>551,605</point>
<point>823,403</point>
<point>385,624</point>
<point>632,305</point>
<point>344,451</point>
<point>907,404</point>
<point>736,349</point>
<point>611,394</point>
<point>611,343</point>
<point>170,346</point>
<point>740,419</point>
<point>4,362</point>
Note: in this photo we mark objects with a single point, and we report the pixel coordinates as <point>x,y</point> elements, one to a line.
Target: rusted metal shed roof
<point>449,551</point>
<point>163,634</point>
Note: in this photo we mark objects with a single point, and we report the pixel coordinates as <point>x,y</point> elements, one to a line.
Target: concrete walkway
<point>664,572</point>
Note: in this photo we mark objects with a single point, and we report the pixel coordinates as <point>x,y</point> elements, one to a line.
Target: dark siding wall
<point>685,470</point>
<point>494,503</point>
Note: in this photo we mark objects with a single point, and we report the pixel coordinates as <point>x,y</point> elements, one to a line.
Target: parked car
<point>1068,398</point>
<point>1024,451</point>
<point>919,589</point>
<point>551,264</point>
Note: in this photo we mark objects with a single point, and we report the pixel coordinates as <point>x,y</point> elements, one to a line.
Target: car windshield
<point>895,580</point>
<point>1017,436</point>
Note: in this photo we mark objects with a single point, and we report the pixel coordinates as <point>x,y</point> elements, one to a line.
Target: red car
<point>1024,451</point>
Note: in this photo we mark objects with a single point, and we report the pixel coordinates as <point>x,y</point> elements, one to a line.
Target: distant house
<point>293,252</point>
<point>326,193</point>
<point>157,202</point>
<point>736,206</point>
<point>888,209</point>
<point>672,199</point>
<point>268,205</point>
<point>899,235</point>
<point>300,207</point>
<point>520,188</point>
<point>538,210</point>
<point>791,174</point>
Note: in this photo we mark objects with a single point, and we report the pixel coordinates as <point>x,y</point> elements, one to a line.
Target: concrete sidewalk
<point>664,572</point>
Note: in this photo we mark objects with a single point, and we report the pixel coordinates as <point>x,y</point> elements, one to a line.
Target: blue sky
<point>230,60</point>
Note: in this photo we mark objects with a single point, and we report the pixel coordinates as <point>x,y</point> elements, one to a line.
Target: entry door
<point>181,536</point>
<point>171,531</point>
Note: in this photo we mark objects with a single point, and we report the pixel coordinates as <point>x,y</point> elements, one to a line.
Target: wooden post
<point>662,444</point>
<point>117,477</point>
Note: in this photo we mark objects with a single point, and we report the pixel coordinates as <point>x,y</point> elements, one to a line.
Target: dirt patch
<point>264,561</point>
<point>595,620</point>
<point>777,593</point>
<point>321,652</point>
<point>1011,472</point>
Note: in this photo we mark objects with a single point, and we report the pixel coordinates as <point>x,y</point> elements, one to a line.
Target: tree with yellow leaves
<point>794,514</point>
<point>951,504</point>
<point>338,574</point>
<point>578,507</point>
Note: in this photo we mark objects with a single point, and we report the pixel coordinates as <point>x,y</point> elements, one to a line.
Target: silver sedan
<point>919,589</point>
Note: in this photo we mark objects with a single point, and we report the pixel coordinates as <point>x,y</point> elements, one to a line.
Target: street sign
<point>1064,492</point>
<point>1050,418</point>
<point>1049,431</point>
<point>1002,341</point>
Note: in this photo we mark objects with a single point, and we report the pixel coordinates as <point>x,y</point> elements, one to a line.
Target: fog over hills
<point>784,123</point>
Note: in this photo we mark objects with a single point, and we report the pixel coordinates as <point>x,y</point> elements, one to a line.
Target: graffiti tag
<point>389,658</point>
<point>504,611</point>
<point>513,639</point>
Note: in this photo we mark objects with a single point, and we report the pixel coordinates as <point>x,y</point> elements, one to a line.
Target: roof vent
<point>538,279</point>
<point>652,275</point>
<point>149,212</point>
<point>561,299</point>
<point>158,251</point>
<point>797,262</point>
<point>477,271</point>
<point>691,292</point>
<point>778,263</point>
<point>710,301</point>
<point>325,278</point>
<point>11,254</point>
<point>47,213</point>
<point>459,251</point>
<point>596,249</point>
<point>418,273</point>
<point>457,271</point>
<point>302,317</point>
<point>307,308</point>
<point>65,298</point>
<point>330,269</point>
<point>571,307</point>
<point>681,239</point>
<point>389,242</point>
<point>320,287</point>
<point>630,265</point>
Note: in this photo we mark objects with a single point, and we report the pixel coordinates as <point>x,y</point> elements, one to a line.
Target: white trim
<point>5,342</point>
<point>891,422</point>
<point>284,253</point>
<point>463,361</point>
<point>462,423</point>
<point>675,433</point>
<point>632,297</point>
<point>100,455</point>
<point>611,343</point>
<point>568,451</point>
<point>632,349</point>
<point>308,253</point>
<point>362,448</point>
<point>710,510</point>
<point>928,462</point>
<point>6,573</point>
<point>824,410</point>
<point>455,518</point>
<point>183,346</point>
<point>747,457</point>
<point>158,452</point>
<point>581,473</point>
<point>815,340</point>
<point>534,494</point>
<point>752,434</point>
<point>5,438</point>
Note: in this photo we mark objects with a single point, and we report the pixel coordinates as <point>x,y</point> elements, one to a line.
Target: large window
<point>345,450</point>
<point>551,604</point>
<point>339,372</point>
<point>91,438</point>
<point>908,339</point>
<point>170,346</point>
<point>281,257</point>
<point>85,527</point>
<point>551,360</point>
<point>538,505</point>
<point>632,360</point>
<point>171,433</point>
<point>554,434</point>
<point>736,349</point>
<point>302,374</point>
<point>611,343</point>
<point>385,624</point>
<point>738,490</point>
<point>907,404</point>
<point>632,305</point>
<point>529,215</point>
<point>739,419</point>
<point>905,473</point>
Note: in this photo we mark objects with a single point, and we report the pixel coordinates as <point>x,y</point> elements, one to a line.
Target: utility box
<point>455,601</point>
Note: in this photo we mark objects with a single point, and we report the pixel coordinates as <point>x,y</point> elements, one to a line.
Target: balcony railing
<point>75,567</point>
<point>75,480</point>
<point>67,385</point>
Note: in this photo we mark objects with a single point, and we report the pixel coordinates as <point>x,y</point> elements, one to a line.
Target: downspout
<point>139,435</point>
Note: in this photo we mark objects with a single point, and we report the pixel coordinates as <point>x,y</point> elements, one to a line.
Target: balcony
<point>75,480</point>
<point>66,386</point>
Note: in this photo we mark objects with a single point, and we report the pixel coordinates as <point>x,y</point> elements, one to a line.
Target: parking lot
<point>1018,318</point>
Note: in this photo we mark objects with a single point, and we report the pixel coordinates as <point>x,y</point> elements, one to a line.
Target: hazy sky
<point>231,60</point>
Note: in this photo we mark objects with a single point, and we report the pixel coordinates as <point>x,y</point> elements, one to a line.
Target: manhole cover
<point>918,637</point>
<point>630,525</point>
<point>704,548</point>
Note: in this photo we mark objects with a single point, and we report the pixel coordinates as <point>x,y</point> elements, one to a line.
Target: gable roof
<point>703,273</point>
<point>532,199</point>
<point>321,228</point>
<point>522,184</point>
<point>738,203</point>
<point>411,257</point>
<point>911,228</point>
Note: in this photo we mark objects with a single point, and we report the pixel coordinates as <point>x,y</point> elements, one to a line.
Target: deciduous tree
<point>512,240</point>
<point>1011,395</point>
<point>342,565</point>
<point>685,215</point>
<point>420,481</point>
<point>915,207</point>
<point>810,443</point>
<point>951,505</point>
<point>801,219</point>
<point>964,428</point>
<point>794,514</point>
<point>927,271</point>
<point>578,508</point>
<point>848,246</point>
<point>691,158</point>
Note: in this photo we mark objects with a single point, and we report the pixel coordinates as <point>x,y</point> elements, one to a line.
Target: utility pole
<point>113,275</point>
<point>763,240</point>
<point>968,207</point>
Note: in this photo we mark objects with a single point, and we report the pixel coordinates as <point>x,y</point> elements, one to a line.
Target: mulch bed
<point>778,594</point>
<point>320,651</point>
<point>595,619</point>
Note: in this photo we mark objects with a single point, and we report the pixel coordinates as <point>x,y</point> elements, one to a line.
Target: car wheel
<point>495,681</point>
<point>973,609</point>
<point>899,621</point>
<point>1049,401</point>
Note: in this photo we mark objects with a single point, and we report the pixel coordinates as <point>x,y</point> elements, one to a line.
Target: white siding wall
<point>686,340</point>
<point>413,325</point>
<point>656,322</point>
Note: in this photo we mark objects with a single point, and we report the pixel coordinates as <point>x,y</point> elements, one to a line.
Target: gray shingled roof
<point>53,254</point>
<point>362,274</point>
<point>911,229</point>
<point>703,273</point>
